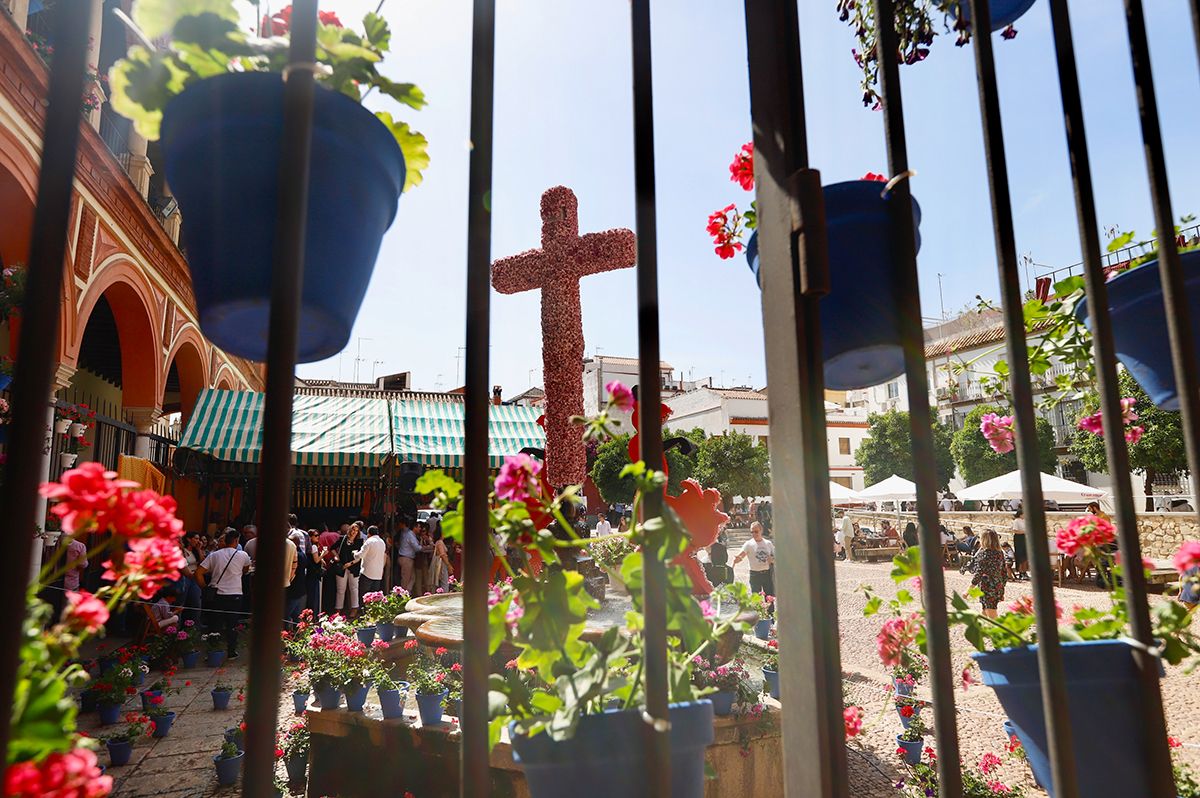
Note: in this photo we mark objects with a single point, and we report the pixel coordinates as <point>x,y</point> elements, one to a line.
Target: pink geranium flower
<point>74,774</point>
<point>894,636</point>
<point>853,719</point>
<point>85,612</point>
<point>999,432</point>
<point>620,395</point>
<point>1187,557</point>
<point>516,481</point>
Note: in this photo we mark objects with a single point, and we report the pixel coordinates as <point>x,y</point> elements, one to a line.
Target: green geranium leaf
<point>408,93</point>
<point>906,565</point>
<point>338,45</point>
<point>1121,241</point>
<point>158,18</point>
<point>413,145</point>
<point>143,83</point>
<point>377,31</point>
<point>438,482</point>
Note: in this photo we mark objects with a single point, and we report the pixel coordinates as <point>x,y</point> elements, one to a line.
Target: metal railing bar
<point>1183,356</point>
<point>1106,372</point>
<point>477,552</point>
<point>287,277</point>
<point>912,340</point>
<point>654,592</point>
<point>34,374</point>
<point>1050,664</point>
<point>793,252</point>
<point>1195,6</point>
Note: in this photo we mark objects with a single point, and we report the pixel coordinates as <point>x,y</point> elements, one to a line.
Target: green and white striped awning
<point>356,431</point>
<point>431,431</point>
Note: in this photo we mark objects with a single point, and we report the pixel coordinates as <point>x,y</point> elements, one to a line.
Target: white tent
<point>840,494</point>
<point>892,489</point>
<point>1008,486</point>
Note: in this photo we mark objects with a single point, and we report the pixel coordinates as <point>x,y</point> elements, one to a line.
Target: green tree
<point>1160,450</point>
<point>613,455</point>
<point>888,449</point>
<point>734,465</point>
<point>976,459</point>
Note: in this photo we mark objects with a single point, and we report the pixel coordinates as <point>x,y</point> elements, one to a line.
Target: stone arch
<point>134,307</point>
<point>18,194</point>
<point>187,357</point>
<point>225,379</point>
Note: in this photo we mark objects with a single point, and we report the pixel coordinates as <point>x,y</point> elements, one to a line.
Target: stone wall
<point>1161,533</point>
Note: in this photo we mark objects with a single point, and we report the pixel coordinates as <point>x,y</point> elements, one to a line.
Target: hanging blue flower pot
<point>228,769</point>
<point>391,702</point>
<point>162,724</point>
<point>607,756</point>
<point>722,702</point>
<point>1102,695</point>
<point>762,629</point>
<point>221,140</point>
<point>191,658</point>
<point>912,749</point>
<point>771,680</point>
<point>429,705</point>
<point>1139,323</point>
<point>221,699</point>
<point>386,631</point>
<point>1004,12</point>
<point>119,751</point>
<point>1010,731</point>
<point>906,721</point>
<point>365,634</point>
<point>356,697</point>
<point>860,320</point>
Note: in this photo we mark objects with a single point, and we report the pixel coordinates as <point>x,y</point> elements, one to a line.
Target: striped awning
<point>355,431</point>
<point>431,431</point>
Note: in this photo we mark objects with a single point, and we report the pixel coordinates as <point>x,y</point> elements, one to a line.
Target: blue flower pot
<point>392,702</point>
<point>191,658</point>
<point>221,699</point>
<point>385,631</point>
<point>139,676</point>
<point>119,751</point>
<point>5,381</point>
<point>297,767</point>
<point>860,329</point>
<point>771,680</point>
<point>1004,12</point>
<point>235,736</point>
<point>607,757</point>
<point>722,703</point>
<point>109,714</point>
<point>912,750</point>
<point>1140,325</point>
<point>162,724</point>
<point>902,688</point>
<point>1102,696</point>
<point>221,139</point>
<point>906,722</point>
<point>147,698</point>
<point>762,629</point>
<point>215,659</point>
<point>356,697</point>
<point>300,700</point>
<point>429,705</point>
<point>329,697</point>
<point>365,634</point>
<point>229,769</point>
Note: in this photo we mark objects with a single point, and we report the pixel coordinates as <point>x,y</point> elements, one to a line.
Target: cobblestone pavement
<point>180,765</point>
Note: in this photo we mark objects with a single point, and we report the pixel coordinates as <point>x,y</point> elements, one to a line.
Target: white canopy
<point>892,489</point>
<point>840,494</point>
<point>1008,486</point>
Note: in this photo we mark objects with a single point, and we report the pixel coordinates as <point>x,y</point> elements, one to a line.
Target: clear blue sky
<point>563,116</point>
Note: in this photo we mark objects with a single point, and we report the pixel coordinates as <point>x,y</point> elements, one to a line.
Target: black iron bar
<point>1195,5</point>
<point>912,340</point>
<point>793,254</point>
<point>1107,371</point>
<point>1050,664</point>
<point>287,277</point>
<point>654,593</point>
<point>33,378</point>
<point>477,552</point>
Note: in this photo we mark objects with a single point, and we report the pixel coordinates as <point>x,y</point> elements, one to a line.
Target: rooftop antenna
<point>529,377</point>
<point>458,364</point>
<point>375,363</point>
<point>359,358</point>
<point>941,301</point>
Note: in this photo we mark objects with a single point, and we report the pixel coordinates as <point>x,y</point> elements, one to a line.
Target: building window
<point>845,482</point>
<point>843,446</point>
<point>893,389</point>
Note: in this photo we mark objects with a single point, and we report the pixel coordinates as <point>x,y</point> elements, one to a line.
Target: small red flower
<point>741,171</point>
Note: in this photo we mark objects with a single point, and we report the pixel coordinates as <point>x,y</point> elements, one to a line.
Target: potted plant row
<point>213,93</point>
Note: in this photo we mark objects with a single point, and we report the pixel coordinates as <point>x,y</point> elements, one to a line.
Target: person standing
<point>229,564</point>
<point>441,563</point>
<point>603,527</point>
<point>761,553</point>
<point>990,573</point>
<point>314,572</point>
<point>297,586</point>
<point>347,569</point>
<point>1020,558</point>
<point>407,547</point>
<point>373,557</point>
<point>76,563</point>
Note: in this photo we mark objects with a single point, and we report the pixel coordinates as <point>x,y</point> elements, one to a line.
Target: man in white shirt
<point>373,558</point>
<point>762,556</point>
<point>603,527</point>
<point>228,565</point>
